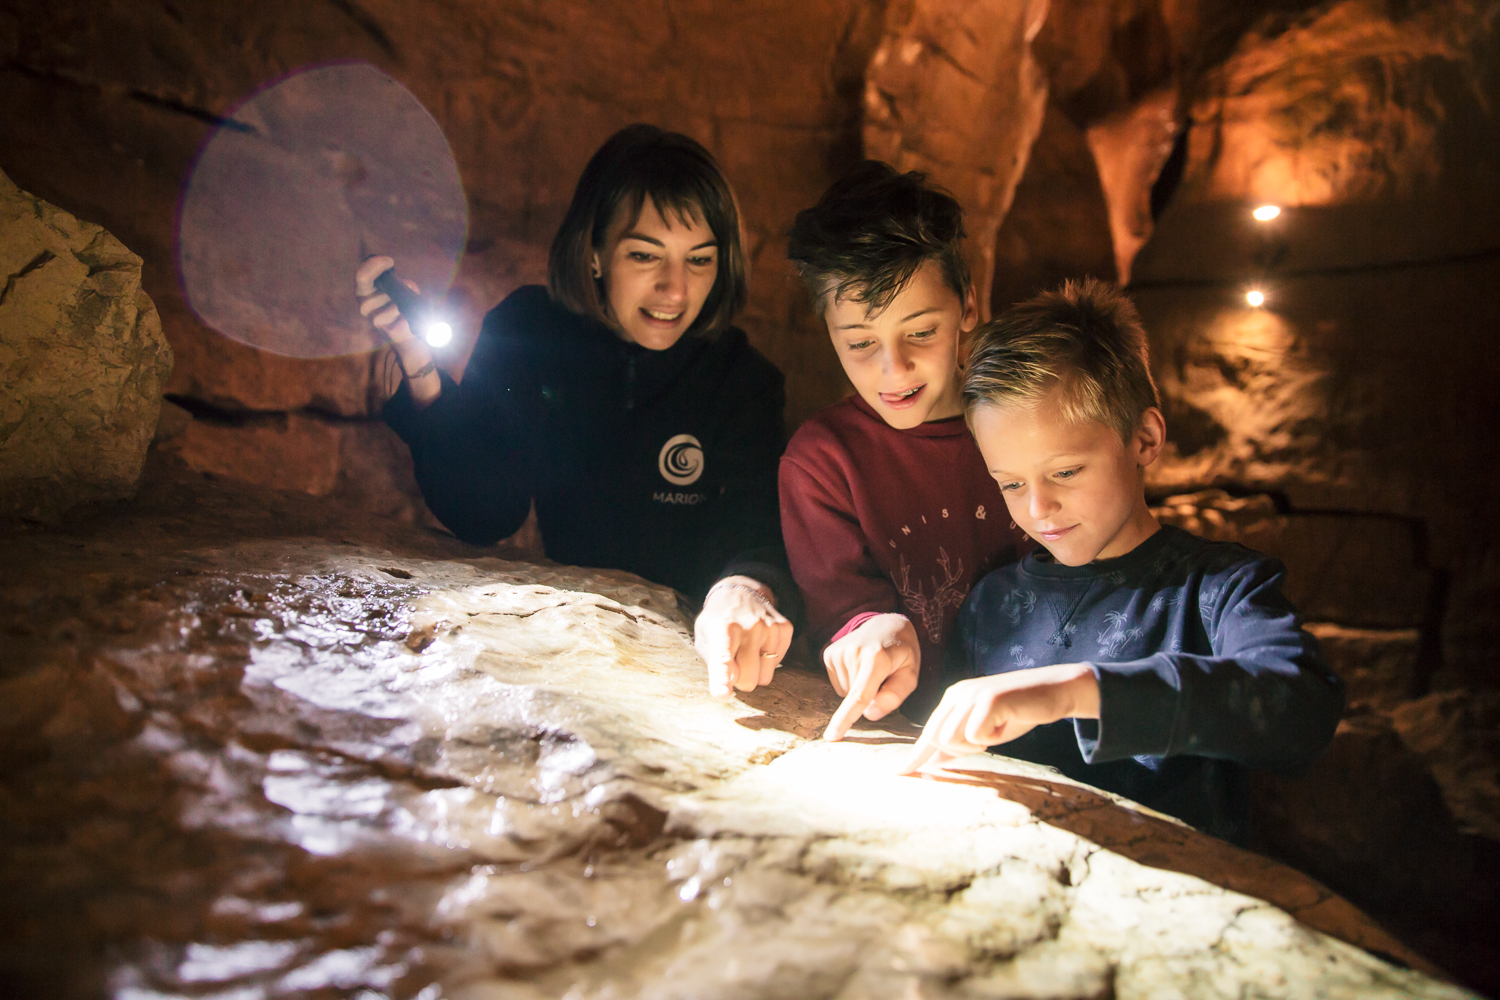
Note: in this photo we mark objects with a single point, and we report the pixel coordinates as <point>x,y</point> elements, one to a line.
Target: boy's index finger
<point>861,692</point>
<point>851,708</point>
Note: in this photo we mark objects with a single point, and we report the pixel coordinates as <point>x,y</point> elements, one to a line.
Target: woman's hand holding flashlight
<point>414,356</point>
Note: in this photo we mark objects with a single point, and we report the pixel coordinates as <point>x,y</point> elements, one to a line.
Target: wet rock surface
<point>82,360</point>
<point>258,747</point>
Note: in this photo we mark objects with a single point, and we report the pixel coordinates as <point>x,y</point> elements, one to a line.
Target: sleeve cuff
<point>783,588</point>
<point>410,423</point>
<point>856,622</point>
<point>1139,702</point>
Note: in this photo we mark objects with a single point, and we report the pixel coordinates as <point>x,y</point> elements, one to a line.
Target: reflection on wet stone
<point>281,766</point>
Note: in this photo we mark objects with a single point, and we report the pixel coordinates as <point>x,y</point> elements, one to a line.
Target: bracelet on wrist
<point>423,372</point>
<point>725,584</point>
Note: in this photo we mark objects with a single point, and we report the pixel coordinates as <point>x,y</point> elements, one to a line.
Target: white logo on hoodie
<point>681,460</point>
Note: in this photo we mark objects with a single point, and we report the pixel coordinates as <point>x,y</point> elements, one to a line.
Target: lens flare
<point>1266,213</point>
<point>1256,298</point>
<point>302,181</point>
<point>437,333</point>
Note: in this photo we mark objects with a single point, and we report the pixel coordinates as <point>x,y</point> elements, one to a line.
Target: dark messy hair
<point>683,180</point>
<point>1083,340</point>
<point>872,230</point>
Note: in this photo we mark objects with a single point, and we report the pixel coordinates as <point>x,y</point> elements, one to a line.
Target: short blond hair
<point>1083,341</point>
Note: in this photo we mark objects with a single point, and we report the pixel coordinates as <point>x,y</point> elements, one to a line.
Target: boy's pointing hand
<point>979,713</point>
<point>875,668</point>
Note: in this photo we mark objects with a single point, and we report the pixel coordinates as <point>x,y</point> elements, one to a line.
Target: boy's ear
<point>1150,437</point>
<point>971,312</point>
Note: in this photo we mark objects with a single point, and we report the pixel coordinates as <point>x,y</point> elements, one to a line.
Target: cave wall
<point>1367,384</point>
<point>103,109</point>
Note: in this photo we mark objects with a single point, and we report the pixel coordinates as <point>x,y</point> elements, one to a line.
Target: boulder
<point>1380,668</point>
<point>1393,818</point>
<point>242,759</point>
<point>1457,733</point>
<point>1369,819</point>
<point>362,461</point>
<point>82,360</point>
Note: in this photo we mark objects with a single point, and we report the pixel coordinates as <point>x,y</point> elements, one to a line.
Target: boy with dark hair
<point>887,511</point>
<point>1135,657</point>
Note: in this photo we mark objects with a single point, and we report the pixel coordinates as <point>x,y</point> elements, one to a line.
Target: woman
<point>619,400</point>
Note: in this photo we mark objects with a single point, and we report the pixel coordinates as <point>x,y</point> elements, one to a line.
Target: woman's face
<point>657,273</point>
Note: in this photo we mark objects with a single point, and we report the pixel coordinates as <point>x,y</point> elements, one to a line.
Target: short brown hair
<point>679,176</point>
<point>1084,340</point>
<point>872,230</point>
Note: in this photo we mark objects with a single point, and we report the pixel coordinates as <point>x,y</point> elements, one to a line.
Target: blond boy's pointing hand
<point>979,713</point>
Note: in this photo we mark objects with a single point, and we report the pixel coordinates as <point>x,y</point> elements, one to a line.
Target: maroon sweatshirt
<point>880,520</point>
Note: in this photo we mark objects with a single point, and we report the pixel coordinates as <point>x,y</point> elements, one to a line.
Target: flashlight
<point>425,321</point>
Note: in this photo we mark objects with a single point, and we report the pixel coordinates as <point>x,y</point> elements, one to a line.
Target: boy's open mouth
<point>902,399</point>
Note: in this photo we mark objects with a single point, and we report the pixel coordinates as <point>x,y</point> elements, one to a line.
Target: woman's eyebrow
<point>656,242</point>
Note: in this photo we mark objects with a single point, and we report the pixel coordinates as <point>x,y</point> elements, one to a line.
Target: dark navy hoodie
<point>1203,669</point>
<point>662,463</point>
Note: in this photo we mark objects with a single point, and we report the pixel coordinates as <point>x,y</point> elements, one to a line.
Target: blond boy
<point>1136,657</point>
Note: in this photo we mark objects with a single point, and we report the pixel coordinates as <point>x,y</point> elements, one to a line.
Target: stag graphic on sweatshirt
<point>947,594</point>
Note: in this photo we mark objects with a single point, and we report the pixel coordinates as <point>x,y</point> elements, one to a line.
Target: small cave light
<point>1255,297</point>
<point>1266,213</point>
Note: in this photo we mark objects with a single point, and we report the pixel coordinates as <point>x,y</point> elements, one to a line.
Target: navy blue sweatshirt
<point>1201,662</point>
<point>662,463</point>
